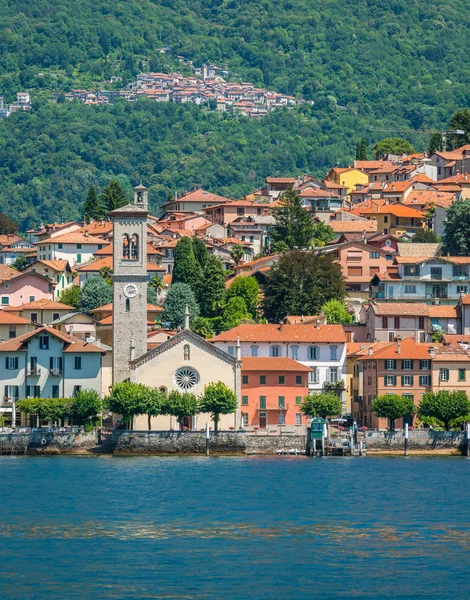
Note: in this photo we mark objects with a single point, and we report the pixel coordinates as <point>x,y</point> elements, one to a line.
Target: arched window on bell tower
<point>125,247</point>
<point>134,254</point>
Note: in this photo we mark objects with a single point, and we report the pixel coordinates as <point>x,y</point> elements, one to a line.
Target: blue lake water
<point>234,528</point>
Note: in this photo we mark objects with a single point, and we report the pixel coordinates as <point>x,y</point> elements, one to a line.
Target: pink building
<point>25,287</point>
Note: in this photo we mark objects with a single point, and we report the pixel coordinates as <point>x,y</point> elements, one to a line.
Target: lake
<point>234,528</point>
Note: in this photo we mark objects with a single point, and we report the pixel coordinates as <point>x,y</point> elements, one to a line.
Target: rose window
<point>186,378</point>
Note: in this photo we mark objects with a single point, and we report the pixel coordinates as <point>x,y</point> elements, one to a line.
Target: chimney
<point>432,351</point>
<point>370,350</point>
<point>86,233</point>
<point>281,326</point>
<point>186,317</point>
<point>238,349</point>
<point>399,347</point>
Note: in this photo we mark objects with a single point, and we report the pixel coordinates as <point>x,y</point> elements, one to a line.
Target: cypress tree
<point>113,196</point>
<point>200,251</point>
<point>294,224</point>
<point>363,149</point>
<point>186,268</point>
<point>92,210</point>
<point>212,292</point>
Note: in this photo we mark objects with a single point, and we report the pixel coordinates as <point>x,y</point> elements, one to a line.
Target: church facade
<point>186,362</point>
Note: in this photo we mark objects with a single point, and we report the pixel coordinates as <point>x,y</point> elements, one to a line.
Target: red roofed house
<point>194,201</point>
<point>12,325</point>
<point>403,368</point>
<point>74,247</point>
<point>18,288</point>
<point>322,348</point>
<point>58,270</point>
<point>272,391</point>
<point>41,311</point>
<point>228,212</point>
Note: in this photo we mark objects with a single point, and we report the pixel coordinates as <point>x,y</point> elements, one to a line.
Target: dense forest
<point>367,64</point>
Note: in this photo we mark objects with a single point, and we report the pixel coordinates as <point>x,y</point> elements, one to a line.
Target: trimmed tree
<point>393,407</point>
<point>456,228</point>
<point>300,284</point>
<point>321,404</point>
<point>180,294</point>
<point>113,196</point>
<point>444,406</point>
<point>248,289</point>
<point>87,405</point>
<point>186,268</point>
<point>336,312</point>
<point>95,292</point>
<point>128,400</point>
<point>294,224</point>
<point>212,292</point>
<point>92,209</point>
<point>181,405</point>
<point>152,297</point>
<point>153,404</point>
<point>218,399</point>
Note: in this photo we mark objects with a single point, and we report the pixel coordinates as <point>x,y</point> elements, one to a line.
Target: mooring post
<point>207,439</point>
<point>360,448</point>
<point>468,439</point>
<point>406,439</point>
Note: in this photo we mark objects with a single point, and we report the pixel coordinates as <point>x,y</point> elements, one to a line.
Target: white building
<point>74,247</point>
<point>322,348</point>
<point>46,363</point>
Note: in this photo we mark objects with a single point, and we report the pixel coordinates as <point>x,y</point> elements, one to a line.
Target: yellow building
<point>348,177</point>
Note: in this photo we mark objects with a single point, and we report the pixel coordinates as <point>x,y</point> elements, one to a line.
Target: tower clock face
<point>130,291</point>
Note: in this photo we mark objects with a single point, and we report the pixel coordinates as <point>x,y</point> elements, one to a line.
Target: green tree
<point>425,236</point>
<point>459,120</point>
<point>105,273</point>
<point>186,269</point>
<point>154,403</point>
<point>361,150</point>
<point>212,292</point>
<point>128,400</point>
<point>95,292</point>
<point>181,406</point>
<point>300,284</point>
<point>200,251</point>
<point>248,289</point>
<point>7,225</point>
<point>113,196</point>
<point>336,312</point>
<point>294,224</point>
<point>179,295</point>
<point>87,405</point>
<point>236,254</point>
<point>47,409</point>
<point>203,327</point>
<point>444,405</point>
<point>393,407</point>
<point>235,312</point>
<point>321,404</point>
<point>392,146</point>
<point>322,233</point>
<point>157,284</point>
<point>20,263</point>
<point>456,238</point>
<point>92,209</point>
<point>70,296</point>
<point>218,399</point>
<point>435,144</point>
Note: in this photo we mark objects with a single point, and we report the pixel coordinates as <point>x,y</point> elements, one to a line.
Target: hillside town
<point>407,303</point>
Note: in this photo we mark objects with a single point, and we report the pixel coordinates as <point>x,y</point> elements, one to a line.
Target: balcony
<point>34,372</point>
<point>9,399</point>
<point>56,372</point>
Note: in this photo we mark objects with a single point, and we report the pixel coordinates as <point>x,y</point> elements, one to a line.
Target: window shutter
<point>28,390</point>
<point>402,365</point>
<point>17,391</point>
<point>328,375</point>
<point>402,381</point>
<point>412,379</point>
<point>6,392</point>
<point>6,362</point>
<point>394,380</point>
<point>394,365</point>
<point>60,363</point>
<point>412,364</point>
<point>51,363</point>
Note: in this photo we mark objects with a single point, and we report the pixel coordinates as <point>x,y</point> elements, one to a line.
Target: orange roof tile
<point>43,304</point>
<point>397,186</point>
<point>272,364</point>
<point>7,273</point>
<point>352,226</point>
<point>285,333</point>
<point>76,237</point>
<point>407,348</point>
<point>107,262</point>
<point>72,343</point>
<point>422,178</point>
<point>400,308</point>
<point>6,318</point>
<point>200,195</point>
<point>444,312</point>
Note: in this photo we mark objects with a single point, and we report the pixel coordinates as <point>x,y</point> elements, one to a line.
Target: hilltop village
<point>404,328</point>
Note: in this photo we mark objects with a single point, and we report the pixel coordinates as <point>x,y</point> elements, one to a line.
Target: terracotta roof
<point>397,186</point>
<point>372,164</point>
<point>352,226</point>
<point>107,262</point>
<point>200,195</point>
<point>425,197</point>
<point>407,348</point>
<point>452,156</point>
<point>459,178</point>
<point>7,318</point>
<point>303,320</point>
<point>285,333</point>
<point>443,311</point>
<point>428,250</point>
<point>451,354</point>
<point>272,364</point>
<point>280,180</point>
<point>362,348</point>
<point>167,279</point>
<point>455,338</point>
<point>106,251</point>
<point>332,185</point>
<point>317,192</point>
<point>465,299</point>
<point>72,343</point>
<point>422,178</point>
<point>7,273</point>
<point>57,265</point>
<point>43,304</point>
<point>76,237</point>
<point>410,309</point>
<point>6,239</point>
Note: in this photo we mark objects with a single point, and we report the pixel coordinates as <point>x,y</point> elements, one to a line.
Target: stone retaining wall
<point>269,444</point>
<point>181,442</point>
<point>417,440</point>
<point>55,442</point>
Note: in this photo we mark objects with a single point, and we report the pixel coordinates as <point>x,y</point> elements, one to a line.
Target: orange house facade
<point>272,393</point>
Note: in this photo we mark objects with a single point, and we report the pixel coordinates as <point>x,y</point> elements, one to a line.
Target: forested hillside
<point>368,64</point>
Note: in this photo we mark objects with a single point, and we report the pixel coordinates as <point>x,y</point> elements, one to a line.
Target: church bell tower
<point>129,283</point>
